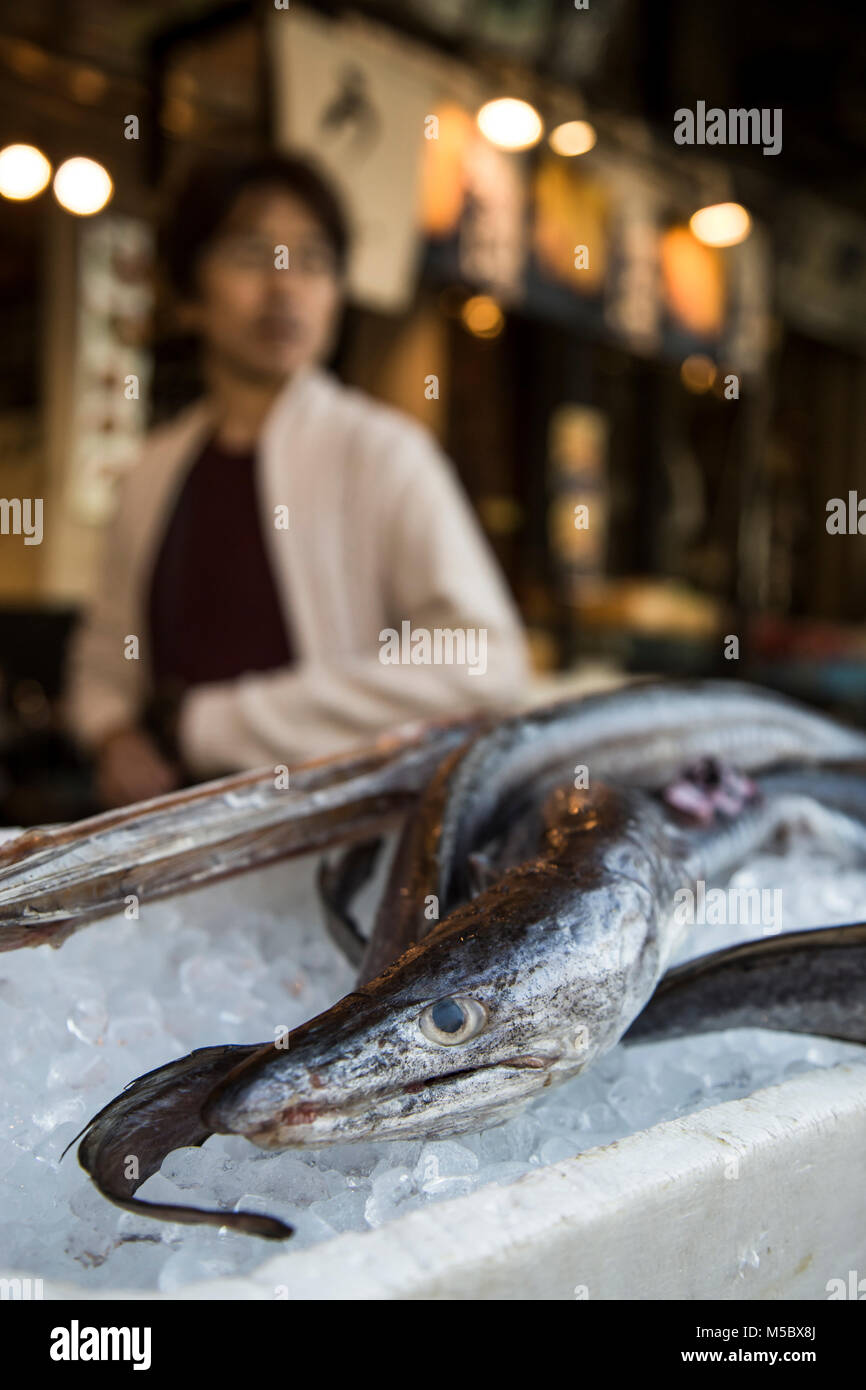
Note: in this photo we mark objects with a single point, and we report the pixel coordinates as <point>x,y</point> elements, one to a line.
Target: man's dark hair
<point>210,190</point>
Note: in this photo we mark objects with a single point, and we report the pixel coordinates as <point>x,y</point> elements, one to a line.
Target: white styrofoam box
<point>762,1198</point>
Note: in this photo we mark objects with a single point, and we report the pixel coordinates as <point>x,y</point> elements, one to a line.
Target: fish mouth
<point>525,1063</point>
<point>287,1126</point>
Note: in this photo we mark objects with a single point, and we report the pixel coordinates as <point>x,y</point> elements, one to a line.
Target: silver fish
<point>520,988</point>
<point>52,881</point>
<point>55,880</point>
<point>643,734</point>
<point>799,982</point>
<point>539,975</point>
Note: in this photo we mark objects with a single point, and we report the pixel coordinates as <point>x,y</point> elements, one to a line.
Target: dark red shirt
<point>214,610</point>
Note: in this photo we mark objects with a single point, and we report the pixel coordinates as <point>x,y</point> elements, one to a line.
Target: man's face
<point>255,319</point>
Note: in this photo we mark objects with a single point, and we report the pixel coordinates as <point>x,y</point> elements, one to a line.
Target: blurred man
<point>275,538</point>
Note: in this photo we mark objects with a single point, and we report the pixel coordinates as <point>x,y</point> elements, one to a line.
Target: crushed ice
<point>229,964</point>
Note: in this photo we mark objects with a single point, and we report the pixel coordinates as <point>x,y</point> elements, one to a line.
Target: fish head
<point>468,1025</point>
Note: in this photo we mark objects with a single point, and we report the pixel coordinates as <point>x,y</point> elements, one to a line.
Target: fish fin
<point>338,882</point>
<point>798,982</point>
<point>157,1113</point>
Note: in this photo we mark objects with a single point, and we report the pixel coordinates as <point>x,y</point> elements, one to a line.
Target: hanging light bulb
<point>82,186</point>
<point>510,123</point>
<point>573,138</point>
<point>24,172</point>
<point>721,224</point>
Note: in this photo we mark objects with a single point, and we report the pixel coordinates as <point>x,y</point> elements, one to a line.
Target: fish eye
<point>453,1020</point>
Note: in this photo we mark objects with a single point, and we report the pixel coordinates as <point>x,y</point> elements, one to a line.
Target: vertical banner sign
<point>821,269</point>
<point>493,232</point>
<point>577,449</point>
<point>570,235</point>
<point>633,308</point>
<point>113,364</point>
<point>695,287</point>
<point>747,337</point>
<point>358,109</point>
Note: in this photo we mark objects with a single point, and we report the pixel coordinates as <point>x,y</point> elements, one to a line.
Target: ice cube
<point>344,1211</point>
<point>390,1191</point>
<point>442,1160</point>
<point>556,1148</point>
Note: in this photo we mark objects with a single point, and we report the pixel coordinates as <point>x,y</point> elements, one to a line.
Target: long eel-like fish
<point>642,734</point>
<point>520,987</point>
<point>54,881</point>
<point>799,982</point>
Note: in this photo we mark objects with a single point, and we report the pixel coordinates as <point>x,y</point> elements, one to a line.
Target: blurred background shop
<point>646,358</point>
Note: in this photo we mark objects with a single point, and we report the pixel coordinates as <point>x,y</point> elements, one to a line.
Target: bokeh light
<point>483,316</point>
<point>698,373</point>
<point>510,123</point>
<point>24,172</point>
<point>721,224</point>
<point>82,186</point>
<point>573,138</point>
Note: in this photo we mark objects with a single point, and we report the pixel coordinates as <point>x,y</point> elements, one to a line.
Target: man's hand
<point>130,767</point>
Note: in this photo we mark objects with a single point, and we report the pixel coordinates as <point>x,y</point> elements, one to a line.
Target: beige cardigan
<point>379,532</point>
